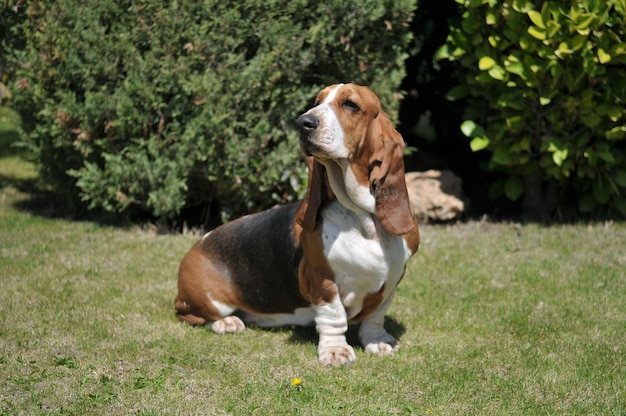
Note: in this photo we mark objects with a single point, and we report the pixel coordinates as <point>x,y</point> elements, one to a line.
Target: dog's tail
<point>183,311</point>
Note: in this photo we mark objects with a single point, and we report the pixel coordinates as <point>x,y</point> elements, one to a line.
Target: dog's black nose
<point>306,123</point>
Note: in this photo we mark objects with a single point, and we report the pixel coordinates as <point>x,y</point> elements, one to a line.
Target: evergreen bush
<point>545,84</point>
<point>151,107</point>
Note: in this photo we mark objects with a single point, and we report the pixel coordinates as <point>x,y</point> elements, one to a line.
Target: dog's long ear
<point>316,194</point>
<point>387,181</point>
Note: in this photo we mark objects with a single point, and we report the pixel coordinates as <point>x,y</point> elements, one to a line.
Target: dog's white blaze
<point>330,97</point>
<point>329,135</point>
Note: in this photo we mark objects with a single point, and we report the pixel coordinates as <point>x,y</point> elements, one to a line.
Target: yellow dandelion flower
<point>296,382</point>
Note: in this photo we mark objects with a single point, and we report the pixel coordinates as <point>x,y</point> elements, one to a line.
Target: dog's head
<point>354,153</point>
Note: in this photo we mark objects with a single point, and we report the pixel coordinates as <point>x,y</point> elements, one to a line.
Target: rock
<point>435,195</point>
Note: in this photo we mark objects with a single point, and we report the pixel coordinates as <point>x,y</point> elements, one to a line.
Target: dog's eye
<point>351,105</point>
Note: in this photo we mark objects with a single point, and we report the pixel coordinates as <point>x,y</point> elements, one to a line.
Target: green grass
<point>494,319</point>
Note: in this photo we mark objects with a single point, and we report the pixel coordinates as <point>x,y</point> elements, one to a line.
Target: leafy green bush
<point>158,107</point>
<point>545,84</point>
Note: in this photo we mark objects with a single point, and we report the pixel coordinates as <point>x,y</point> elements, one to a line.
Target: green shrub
<point>545,84</point>
<point>158,107</point>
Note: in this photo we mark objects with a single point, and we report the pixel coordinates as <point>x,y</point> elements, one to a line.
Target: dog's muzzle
<point>306,125</point>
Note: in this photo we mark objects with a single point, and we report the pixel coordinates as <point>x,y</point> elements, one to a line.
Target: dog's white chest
<point>362,256</point>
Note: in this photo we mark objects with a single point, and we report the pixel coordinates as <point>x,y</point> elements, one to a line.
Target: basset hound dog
<point>331,259</point>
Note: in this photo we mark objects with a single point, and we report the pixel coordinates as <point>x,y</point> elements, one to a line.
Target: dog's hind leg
<point>229,324</point>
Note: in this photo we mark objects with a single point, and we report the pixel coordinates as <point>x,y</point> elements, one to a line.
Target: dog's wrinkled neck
<point>354,196</point>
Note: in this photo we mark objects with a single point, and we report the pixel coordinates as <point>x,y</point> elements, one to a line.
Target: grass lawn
<point>494,319</point>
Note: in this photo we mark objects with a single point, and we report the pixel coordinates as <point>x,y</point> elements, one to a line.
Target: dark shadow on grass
<point>29,193</point>
<point>30,196</point>
<point>34,197</point>
<point>28,186</point>
<point>25,190</point>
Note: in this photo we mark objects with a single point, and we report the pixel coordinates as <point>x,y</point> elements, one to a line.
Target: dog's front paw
<point>231,324</point>
<point>384,345</point>
<point>336,356</point>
